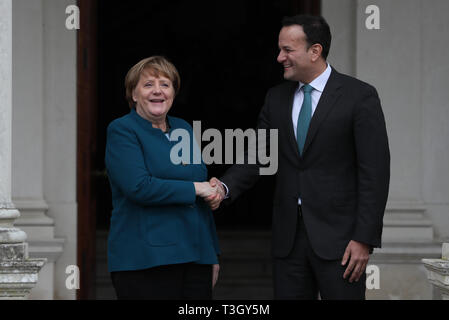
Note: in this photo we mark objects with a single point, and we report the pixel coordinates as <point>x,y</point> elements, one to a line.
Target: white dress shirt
<point>318,85</point>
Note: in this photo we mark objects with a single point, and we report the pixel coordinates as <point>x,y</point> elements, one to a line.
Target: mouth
<point>287,66</point>
<point>157,100</point>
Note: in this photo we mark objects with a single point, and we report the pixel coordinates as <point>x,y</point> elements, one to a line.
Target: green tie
<point>304,118</point>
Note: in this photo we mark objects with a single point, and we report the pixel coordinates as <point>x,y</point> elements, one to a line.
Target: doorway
<point>225,53</point>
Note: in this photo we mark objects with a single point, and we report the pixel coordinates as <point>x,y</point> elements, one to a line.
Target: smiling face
<point>153,95</point>
<point>295,55</point>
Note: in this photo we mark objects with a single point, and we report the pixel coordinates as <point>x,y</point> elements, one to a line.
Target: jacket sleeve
<point>373,168</point>
<point>127,170</point>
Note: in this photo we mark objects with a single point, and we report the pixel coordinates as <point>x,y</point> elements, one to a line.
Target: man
<point>334,170</point>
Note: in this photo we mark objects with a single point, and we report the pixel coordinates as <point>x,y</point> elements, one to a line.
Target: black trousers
<point>304,275</point>
<point>185,281</point>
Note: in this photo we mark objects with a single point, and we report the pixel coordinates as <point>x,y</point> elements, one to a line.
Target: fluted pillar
<point>18,274</point>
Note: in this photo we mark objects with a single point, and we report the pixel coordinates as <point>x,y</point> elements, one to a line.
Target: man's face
<point>294,55</point>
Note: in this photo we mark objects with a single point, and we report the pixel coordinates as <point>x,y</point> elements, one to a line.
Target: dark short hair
<point>316,29</point>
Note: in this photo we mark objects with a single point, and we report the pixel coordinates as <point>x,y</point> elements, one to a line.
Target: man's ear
<point>316,50</point>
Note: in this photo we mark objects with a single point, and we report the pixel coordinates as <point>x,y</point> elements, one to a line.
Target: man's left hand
<point>358,255</point>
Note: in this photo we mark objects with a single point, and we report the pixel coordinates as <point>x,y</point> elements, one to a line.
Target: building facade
<point>404,58</point>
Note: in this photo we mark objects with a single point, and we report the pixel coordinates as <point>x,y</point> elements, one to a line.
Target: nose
<point>156,88</point>
<point>281,57</point>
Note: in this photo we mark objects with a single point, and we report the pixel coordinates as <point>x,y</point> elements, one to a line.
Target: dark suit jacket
<point>342,177</point>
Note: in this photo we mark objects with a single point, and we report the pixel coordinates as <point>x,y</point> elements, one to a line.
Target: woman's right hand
<point>204,189</point>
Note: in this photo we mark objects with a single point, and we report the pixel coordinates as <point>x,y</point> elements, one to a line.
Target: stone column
<point>438,272</point>
<point>28,143</point>
<point>18,274</point>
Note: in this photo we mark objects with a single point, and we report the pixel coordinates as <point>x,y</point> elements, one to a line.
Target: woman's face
<point>153,96</point>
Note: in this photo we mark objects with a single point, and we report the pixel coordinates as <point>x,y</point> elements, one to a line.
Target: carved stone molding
<point>438,272</point>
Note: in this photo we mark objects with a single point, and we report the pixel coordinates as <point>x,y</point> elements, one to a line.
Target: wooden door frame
<point>86,146</point>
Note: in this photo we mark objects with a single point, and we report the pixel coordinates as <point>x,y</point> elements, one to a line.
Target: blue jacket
<point>156,218</point>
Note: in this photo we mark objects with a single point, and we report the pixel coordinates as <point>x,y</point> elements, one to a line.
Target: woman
<point>162,242</point>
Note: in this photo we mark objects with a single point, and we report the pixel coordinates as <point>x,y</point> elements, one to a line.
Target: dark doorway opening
<point>226,54</point>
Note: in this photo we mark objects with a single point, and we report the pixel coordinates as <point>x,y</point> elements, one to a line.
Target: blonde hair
<point>156,65</point>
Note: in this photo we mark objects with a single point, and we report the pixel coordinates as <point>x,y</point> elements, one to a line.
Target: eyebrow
<point>161,80</point>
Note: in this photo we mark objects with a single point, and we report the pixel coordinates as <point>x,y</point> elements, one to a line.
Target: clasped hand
<point>213,192</point>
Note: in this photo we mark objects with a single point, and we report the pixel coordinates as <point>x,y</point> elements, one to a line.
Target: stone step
<point>405,230</point>
<point>405,222</point>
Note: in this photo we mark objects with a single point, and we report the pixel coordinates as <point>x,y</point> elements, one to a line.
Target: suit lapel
<point>328,98</point>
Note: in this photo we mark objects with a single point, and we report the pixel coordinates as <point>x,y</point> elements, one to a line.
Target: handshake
<point>212,192</point>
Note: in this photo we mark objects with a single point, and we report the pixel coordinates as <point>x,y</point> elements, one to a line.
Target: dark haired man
<point>334,170</point>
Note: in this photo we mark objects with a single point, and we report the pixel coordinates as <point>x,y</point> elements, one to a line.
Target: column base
<point>13,251</point>
<point>438,275</point>
<point>17,278</point>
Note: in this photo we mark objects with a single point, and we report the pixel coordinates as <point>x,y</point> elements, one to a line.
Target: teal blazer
<point>156,218</point>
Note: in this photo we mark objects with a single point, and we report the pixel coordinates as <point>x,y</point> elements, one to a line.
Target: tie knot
<point>307,88</point>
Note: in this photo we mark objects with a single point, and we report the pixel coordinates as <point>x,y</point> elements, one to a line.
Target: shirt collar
<point>319,82</point>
